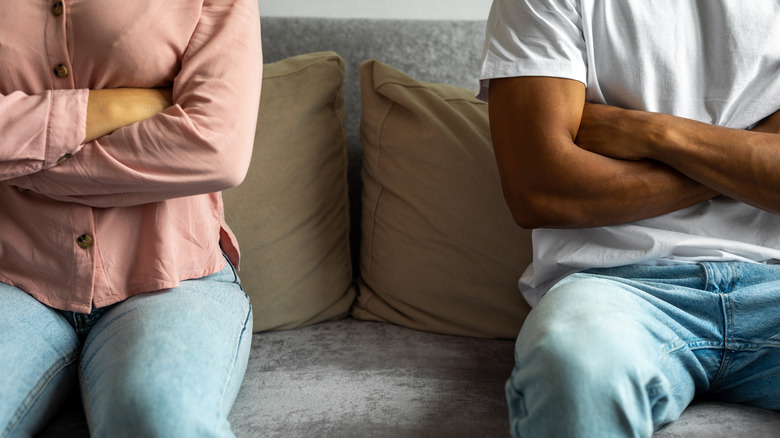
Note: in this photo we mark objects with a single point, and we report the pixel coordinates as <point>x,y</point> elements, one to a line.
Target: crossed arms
<point>565,163</point>
<point>144,145</point>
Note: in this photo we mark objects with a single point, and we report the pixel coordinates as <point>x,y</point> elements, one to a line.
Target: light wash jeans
<point>620,352</point>
<point>163,364</point>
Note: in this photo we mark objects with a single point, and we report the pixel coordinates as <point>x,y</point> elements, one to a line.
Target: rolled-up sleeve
<point>201,144</point>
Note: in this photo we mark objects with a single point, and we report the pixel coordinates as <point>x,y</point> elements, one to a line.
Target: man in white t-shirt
<point>641,141</point>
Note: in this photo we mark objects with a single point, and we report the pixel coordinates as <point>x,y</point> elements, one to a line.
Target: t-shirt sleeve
<point>533,38</point>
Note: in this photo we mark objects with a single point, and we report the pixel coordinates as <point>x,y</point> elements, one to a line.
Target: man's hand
<point>111,109</point>
<point>737,163</point>
<point>770,124</point>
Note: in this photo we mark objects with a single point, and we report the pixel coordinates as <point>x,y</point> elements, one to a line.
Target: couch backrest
<point>434,51</point>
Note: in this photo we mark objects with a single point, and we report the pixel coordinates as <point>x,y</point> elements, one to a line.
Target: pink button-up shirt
<point>137,210</point>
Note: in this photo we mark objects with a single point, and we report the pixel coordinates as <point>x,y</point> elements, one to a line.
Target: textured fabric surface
<point>723,420</point>
<point>440,250</point>
<point>359,379</point>
<point>430,50</point>
<point>353,378</point>
<point>290,215</point>
<point>436,51</point>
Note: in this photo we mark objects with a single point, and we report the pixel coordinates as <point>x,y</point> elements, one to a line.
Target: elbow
<point>228,181</point>
<point>525,220</point>
<point>227,162</point>
<point>536,209</point>
<point>524,207</point>
<point>228,173</point>
<point>223,149</point>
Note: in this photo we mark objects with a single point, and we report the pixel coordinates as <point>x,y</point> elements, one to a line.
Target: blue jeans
<point>165,364</point>
<point>620,352</point>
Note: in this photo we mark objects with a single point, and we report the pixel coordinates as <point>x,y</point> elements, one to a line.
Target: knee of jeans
<point>134,414</point>
<point>583,353</point>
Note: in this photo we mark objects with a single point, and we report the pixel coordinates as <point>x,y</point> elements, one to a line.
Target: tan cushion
<point>440,251</point>
<point>290,215</point>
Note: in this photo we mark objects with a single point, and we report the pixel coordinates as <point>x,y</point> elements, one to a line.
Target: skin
<point>111,109</point>
<point>565,163</point>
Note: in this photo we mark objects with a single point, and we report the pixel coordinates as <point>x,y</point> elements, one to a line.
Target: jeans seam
<point>724,365</point>
<point>236,279</point>
<point>85,398</point>
<point>728,329</point>
<point>36,391</point>
<point>235,355</point>
<point>707,276</point>
<point>746,345</point>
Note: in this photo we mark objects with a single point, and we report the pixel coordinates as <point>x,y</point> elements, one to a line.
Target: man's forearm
<point>551,182</point>
<point>740,164</point>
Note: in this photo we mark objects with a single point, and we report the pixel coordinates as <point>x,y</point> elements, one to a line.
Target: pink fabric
<point>147,194</point>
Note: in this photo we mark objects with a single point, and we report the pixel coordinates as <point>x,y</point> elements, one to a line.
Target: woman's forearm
<point>111,109</point>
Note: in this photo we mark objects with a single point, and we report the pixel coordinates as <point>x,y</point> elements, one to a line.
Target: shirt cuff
<point>67,125</point>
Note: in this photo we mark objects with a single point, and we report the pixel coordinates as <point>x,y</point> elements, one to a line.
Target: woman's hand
<point>111,109</point>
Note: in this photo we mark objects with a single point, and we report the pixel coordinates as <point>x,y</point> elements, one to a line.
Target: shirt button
<point>85,241</point>
<point>57,9</point>
<point>61,70</point>
<point>63,158</point>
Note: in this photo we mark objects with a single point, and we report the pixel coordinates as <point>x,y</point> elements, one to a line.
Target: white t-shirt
<point>715,61</point>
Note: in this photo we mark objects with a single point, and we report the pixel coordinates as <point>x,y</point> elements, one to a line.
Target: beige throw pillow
<point>440,251</point>
<point>290,215</point>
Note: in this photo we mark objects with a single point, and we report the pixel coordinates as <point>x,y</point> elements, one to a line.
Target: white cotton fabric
<point>714,61</point>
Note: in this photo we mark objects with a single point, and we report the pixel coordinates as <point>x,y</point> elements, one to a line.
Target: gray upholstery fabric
<point>362,379</point>
<point>723,420</point>
<point>358,379</point>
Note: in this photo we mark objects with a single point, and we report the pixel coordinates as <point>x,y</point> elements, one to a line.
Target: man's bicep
<point>533,124</point>
<point>531,115</point>
<point>536,99</point>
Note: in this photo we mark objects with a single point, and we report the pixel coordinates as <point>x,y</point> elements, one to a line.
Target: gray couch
<point>350,378</point>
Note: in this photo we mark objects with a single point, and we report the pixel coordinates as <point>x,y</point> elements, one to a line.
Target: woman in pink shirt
<point>120,123</point>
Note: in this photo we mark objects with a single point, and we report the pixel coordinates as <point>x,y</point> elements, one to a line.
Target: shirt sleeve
<point>201,144</point>
<point>37,131</point>
<point>533,38</point>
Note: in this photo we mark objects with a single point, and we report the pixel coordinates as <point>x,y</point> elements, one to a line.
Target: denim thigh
<point>727,315</point>
<point>168,363</point>
<point>622,351</point>
<point>38,367</point>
